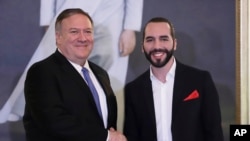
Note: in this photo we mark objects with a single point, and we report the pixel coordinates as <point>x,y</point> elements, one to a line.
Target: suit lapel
<point>73,75</point>
<point>149,100</point>
<point>105,84</point>
<point>179,87</point>
<point>102,78</point>
<point>70,70</point>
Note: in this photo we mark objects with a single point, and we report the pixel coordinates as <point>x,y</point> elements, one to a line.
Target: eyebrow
<point>149,37</point>
<point>162,36</point>
<point>74,28</point>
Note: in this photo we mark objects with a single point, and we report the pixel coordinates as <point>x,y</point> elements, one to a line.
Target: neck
<point>161,73</point>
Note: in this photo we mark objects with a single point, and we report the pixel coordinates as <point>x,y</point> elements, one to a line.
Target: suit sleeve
<point>211,113</point>
<point>130,124</point>
<point>133,14</point>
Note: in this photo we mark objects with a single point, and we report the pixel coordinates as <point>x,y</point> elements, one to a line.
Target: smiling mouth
<point>157,54</point>
<point>82,45</point>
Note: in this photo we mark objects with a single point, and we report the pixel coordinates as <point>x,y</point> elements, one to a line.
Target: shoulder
<point>49,62</point>
<point>190,73</point>
<point>50,65</point>
<point>180,67</point>
<point>42,63</point>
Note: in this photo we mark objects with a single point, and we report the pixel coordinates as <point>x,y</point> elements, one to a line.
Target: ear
<point>142,48</point>
<point>58,37</point>
<point>175,44</point>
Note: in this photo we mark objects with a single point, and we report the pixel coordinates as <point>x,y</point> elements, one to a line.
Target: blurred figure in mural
<point>115,24</point>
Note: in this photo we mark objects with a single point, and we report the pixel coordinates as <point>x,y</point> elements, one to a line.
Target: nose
<point>82,36</point>
<point>157,43</point>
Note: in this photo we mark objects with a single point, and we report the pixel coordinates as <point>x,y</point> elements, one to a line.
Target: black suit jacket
<point>59,104</point>
<point>197,119</point>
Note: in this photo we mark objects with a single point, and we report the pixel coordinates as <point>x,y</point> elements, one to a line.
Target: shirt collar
<point>77,66</point>
<point>170,74</point>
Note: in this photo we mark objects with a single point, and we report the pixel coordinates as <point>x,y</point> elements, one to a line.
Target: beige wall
<point>242,61</point>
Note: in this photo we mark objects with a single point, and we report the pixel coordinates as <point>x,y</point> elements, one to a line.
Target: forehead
<point>77,20</point>
<point>157,28</point>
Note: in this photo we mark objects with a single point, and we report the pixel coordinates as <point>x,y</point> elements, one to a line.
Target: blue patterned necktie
<point>93,90</point>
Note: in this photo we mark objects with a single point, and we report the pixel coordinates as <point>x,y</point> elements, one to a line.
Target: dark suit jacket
<point>192,120</point>
<point>59,104</point>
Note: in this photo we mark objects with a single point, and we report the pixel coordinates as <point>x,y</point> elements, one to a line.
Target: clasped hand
<point>116,135</point>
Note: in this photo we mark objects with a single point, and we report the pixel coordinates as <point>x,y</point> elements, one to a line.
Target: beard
<point>159,62</point>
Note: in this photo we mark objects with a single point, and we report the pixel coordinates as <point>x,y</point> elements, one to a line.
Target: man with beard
<point>170,101</point>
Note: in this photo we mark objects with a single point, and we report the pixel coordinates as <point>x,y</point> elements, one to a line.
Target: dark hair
<point>67,13</point>
<point>158,20</point>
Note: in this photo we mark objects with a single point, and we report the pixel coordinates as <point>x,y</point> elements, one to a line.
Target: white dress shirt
<point>163,96</point>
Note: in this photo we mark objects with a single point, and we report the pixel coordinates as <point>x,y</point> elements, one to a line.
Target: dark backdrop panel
<point>20,35</point>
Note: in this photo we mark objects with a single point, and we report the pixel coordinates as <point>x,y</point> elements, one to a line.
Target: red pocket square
<point>193,95</point>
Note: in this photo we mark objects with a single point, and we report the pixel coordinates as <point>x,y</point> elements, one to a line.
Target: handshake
<point>115,135</point>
